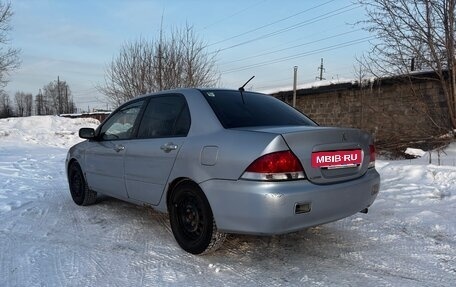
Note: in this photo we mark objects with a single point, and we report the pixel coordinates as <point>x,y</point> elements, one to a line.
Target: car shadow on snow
<point>329,240</point>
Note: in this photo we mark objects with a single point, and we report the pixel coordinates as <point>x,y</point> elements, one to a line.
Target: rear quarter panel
<point>233,152</point>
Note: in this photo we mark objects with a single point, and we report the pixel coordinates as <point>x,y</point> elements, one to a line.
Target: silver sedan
<point>224,161</point>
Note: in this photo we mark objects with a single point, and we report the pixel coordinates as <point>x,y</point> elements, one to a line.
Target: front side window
<point>120,125</point>
<point>165,116</point>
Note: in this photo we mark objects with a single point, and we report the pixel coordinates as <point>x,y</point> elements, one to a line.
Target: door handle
<point>168,147</point>
<point>119,148</point>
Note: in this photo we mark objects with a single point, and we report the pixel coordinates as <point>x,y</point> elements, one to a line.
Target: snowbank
<point>416,152</point>
<point>44,130</point>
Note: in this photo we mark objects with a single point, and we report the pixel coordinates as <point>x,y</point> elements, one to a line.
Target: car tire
<point>192,221</point>
<point>79,189</point>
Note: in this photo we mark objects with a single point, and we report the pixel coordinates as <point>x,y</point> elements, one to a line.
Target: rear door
<point>105,157</point>
<point>150,158</point>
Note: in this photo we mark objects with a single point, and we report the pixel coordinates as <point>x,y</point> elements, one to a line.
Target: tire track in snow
<point>36,258</point>
<point>10,270</point>
<point>162,218</point>
<point>242,250</point>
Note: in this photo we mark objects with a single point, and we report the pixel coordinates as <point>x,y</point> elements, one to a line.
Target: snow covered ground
<point>408,238</point>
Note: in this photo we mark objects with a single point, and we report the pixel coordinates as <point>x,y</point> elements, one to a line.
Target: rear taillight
<point>282,165</point>
<point>371,156</point>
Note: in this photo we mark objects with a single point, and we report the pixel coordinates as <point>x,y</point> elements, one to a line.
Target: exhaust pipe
<point>365,210</point>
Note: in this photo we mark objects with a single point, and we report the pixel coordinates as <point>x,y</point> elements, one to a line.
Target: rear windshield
<point>235,110</point>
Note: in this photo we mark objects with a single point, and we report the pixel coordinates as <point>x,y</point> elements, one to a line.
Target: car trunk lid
<point>327,154</point>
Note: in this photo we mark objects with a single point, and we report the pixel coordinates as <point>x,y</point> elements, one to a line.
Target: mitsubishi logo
<point>344,138</point>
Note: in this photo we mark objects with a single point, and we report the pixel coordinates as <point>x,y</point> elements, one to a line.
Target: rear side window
<point>165,116</point>
<point>248,109</point>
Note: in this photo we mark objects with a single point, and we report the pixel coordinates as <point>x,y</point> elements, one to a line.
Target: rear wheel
<point>79,190</point>
<point>192,221</point>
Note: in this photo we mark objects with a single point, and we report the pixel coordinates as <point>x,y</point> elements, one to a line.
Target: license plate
<point>337,159</point>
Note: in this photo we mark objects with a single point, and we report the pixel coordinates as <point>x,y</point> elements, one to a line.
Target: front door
<point>105,157</point>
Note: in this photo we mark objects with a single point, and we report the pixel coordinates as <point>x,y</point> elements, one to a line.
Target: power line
<point>94,101</point>
<point>299,55</point>
<point>286,81</point>
<point>272,23</point>
<point>236,83</point>
<point>232,15</point>
<point>291,47</point>
<point>85,91</point>
<point>295,26</point>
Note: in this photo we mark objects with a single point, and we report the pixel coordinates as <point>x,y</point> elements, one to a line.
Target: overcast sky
<point>77,39</point>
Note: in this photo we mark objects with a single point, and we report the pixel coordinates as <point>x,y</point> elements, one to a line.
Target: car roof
<point>182,90</point>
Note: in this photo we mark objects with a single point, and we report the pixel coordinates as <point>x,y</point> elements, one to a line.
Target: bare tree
<point>39,104</point>
<point>23,104</point>
<point>56,99</point>
<point>361,73</point>
<point>19,99</point>
<point>414,35</point>
<point>9,57</point>
<point>28,105</point>
<point>6,110</point>
<point>181,60</point>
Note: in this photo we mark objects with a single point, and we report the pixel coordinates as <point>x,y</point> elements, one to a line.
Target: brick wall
<point>393,109</point>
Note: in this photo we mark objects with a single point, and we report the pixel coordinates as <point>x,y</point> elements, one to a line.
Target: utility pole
<point>361,95</point>
<point>321,71</point>
<point>160,85</point>
<point>39,104</point>
<point>160,82</point>
<point>58,96</point>
<point>295,77</point>
<point>67,102</point>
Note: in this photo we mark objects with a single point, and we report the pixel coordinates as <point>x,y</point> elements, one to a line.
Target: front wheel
<point>192,221</point>
<point>79,190</point>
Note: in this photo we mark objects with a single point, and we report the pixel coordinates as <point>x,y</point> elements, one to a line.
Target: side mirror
<point>87,133</point>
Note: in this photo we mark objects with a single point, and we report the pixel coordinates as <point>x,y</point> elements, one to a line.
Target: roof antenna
<point>241,89</point>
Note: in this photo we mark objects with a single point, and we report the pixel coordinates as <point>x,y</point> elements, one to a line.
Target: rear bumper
<point>254,207</point>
